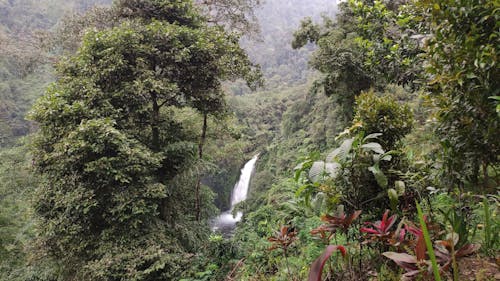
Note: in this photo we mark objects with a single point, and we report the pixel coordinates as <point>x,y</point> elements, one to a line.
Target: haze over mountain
<point>272,49</point>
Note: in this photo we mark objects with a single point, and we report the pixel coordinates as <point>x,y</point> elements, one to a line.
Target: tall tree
<point>462,56</point>
<point>111,147</point>
<point>368,45</point>
<point>235,16</point>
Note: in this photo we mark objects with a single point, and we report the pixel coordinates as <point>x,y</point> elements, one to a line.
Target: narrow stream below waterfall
<point>226,222</point>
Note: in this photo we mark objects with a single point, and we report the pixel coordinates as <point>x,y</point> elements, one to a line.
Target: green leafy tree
<point>462,56</point>
<point>234,15</point>
<point>340,59</point>
<point>112,149</point>
<point>363,170</point>
<point>383,114</point>
<point>369,44</point>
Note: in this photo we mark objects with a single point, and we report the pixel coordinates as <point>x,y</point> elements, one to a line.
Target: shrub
<point>383,114</point>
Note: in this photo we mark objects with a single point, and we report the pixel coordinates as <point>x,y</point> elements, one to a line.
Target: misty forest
<point>284,140</point>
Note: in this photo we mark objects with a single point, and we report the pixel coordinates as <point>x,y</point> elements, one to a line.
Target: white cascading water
<point>225,222</point>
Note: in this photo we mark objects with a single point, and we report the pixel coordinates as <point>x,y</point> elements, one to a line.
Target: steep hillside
<point>25,64</point>
<point>272,49</point>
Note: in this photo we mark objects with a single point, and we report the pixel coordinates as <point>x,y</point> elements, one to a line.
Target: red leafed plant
<point>380,230</point>
<point>317,266</point>
<point>418,264</point>
<point>282,240</point>
<point>414,265</point>
<point>340,221</point>
<point>323,232</point>
<point>446,253</point>
<point>419,242</point>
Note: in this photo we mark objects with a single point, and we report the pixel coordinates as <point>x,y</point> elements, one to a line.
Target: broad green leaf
<point>373,146</point>
<point>372,136</point>
<point>392,194</point>
<point>316,171</point>
<point>340,153</point>
<point>379,176</point>
<point>400,187</point>
<point>320,168</point>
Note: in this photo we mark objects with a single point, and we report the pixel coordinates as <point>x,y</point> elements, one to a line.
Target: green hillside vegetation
<point>124,126</point>
<point>25,58</point>
<point>281,65</point>
<point>371,59</point>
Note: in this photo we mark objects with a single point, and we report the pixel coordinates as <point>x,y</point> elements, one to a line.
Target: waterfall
<point>226,222</point>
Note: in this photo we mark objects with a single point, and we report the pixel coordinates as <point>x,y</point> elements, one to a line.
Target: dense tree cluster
<point>381,62</point>
<point>368,45</point>
<point>110,145</point>
<point>464,76</point>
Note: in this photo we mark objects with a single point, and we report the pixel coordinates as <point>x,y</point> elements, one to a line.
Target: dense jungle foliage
<point>124,125</point>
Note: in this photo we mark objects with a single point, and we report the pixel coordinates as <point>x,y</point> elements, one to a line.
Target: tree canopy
<point>463,70</point>
<point>367,45</point>
<point>110,147</point>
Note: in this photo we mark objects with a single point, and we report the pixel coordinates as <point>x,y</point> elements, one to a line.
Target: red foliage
<point>317,266</point>
<point>342,221</point>
<point>283,239</point>
<point>419,264</point>
<point>380,230</point>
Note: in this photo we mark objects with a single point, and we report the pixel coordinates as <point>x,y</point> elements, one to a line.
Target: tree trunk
<point>200,155</point>
<point>203,136</point>
<point>155,123</point>
<point>155,147</point>
<point>486,178</point>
